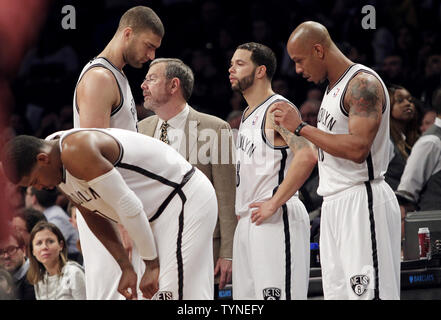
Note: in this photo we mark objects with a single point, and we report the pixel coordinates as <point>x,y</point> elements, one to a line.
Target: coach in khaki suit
<point>204,140</point>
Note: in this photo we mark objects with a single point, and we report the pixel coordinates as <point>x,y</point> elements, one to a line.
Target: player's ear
<point>318,51</point>
<point>127,32</point>
<point>43,158</point>
<point>261,72</point>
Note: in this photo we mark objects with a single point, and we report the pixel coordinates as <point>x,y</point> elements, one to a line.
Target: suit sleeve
<point>224,182</point>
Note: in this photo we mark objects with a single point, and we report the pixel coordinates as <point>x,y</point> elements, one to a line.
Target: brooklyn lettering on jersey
<point>325,118</point>
<point>246,145</point>
<point>84,196</point>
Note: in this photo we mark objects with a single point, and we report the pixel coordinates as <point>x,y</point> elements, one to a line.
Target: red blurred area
<point>20,24</point>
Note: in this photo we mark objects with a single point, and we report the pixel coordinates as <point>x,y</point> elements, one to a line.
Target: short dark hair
<point>31,216</point>
<point>140,19</point>
<point>19,156</point>
<point>176,68</point>
<point>262,55</point>
<point>46,198</point>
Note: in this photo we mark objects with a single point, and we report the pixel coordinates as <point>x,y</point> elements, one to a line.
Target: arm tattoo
<point>364,96</point>
<point>294,142</point>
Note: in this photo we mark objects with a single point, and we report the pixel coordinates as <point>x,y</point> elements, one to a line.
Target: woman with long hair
<point>53,276</point>
<point>404,125</point>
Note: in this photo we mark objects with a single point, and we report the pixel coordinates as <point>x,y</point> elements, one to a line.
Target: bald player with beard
<point>360,222</point>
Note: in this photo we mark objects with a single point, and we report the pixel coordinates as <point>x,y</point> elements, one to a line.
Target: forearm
<point>346,146</point>
<point>106,233</point>
<point>298,172</point>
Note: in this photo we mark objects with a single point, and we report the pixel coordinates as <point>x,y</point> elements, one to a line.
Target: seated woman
<point>53,276</point>
<point>404,133</point>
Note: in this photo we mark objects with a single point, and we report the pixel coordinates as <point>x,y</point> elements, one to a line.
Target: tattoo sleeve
<point>294,142</point>
<point>364,97</point>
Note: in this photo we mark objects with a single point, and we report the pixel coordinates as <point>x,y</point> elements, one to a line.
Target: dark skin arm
<point>364,100</point>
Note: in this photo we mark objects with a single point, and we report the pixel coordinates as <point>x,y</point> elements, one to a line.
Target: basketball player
<point>168,207</point>
<point>271,241</point>
<point>360,221</point>
<point>103,99</point>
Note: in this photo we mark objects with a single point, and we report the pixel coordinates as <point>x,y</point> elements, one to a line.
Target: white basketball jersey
<point>337,174</point>
<point>151,172</point>
<point>260,166</point>
<point>124,116</point>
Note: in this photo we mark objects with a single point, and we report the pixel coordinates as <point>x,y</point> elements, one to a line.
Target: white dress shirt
<point>175,131</point>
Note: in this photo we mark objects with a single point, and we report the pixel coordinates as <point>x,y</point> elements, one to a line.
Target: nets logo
<point>359,284</point>
<point>165,295</point>
<point>272,293</point>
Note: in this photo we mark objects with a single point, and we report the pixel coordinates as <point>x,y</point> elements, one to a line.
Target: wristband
<point>300,127</point>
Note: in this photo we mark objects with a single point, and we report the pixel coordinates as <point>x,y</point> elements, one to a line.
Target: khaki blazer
<point>206,155</point>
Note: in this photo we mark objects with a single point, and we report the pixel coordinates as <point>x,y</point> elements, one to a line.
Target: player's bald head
<point>308,34</point>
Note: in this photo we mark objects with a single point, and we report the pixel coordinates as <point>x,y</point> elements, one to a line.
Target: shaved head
<point>310,33</point>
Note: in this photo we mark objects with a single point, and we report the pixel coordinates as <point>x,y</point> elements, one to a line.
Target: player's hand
<point>263,211</point>
<point>127,284</point>
<point>285,115</point>
<point>149,282</point>
<point>225,267</point>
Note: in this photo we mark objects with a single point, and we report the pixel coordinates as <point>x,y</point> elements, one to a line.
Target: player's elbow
<point>360,154</point>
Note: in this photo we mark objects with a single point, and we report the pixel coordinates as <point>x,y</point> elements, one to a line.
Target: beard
<point>154,104</point>
<point>245,82</point>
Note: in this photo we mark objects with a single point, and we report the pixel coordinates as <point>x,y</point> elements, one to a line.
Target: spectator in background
<point>429,117</point>
<point>52,274</point>
<point>44,200</point>
<point>6,285</point>
<point>403,132</point>
<point>24,220</point>
<point>13,259</point>
<point>420,185</point>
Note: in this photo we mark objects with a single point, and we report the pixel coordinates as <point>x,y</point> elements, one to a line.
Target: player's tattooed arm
<point>364,96</point>
<point>294,142</point>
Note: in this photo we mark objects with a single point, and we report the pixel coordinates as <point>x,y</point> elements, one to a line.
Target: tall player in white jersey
<point>103,99</point>
<point>271,241</point>
<point>168,207</point>
<point>360,221</point>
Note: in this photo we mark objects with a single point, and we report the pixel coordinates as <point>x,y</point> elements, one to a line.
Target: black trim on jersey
<point>328,89</point>
<point>113,112</point>
<point>117,69</point>
<point>342,108</point>
<point>370,167</point>
<point>245,111</point>
<point>264,121</point>
<point>285,229</point>
<point>373,240</point>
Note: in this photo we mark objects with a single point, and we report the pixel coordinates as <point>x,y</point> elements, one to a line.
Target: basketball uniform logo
<point>272,293</point>
<point>359,284</point>
<point>164,295</point>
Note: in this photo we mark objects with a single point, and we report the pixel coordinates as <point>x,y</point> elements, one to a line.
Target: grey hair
<point>176,68</point>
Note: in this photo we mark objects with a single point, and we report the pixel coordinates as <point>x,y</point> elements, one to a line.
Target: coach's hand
<point>224,266</point>
<point>149,283</point>
<point>127,283</point>
<point>263,211</point>
<point>285,115</point>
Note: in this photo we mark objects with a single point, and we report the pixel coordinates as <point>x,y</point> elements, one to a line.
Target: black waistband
<point>176,190</point>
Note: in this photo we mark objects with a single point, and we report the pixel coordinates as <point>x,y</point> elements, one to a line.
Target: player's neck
<point>257,94</point>
<point>113,53</point>
<point>338,63</point>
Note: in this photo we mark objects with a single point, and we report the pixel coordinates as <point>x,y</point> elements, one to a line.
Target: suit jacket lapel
<point>191,134</point>
<point>150,129</point>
